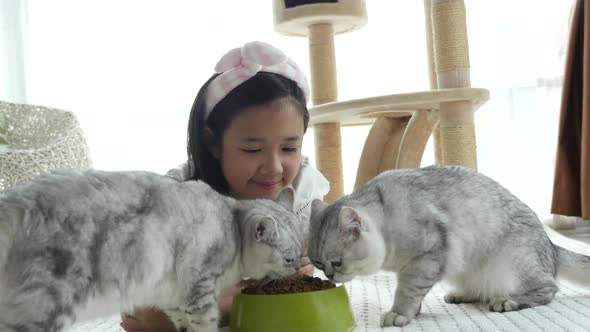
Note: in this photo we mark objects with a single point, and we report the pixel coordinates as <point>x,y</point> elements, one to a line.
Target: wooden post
<point>457,130</point>
<point>324,89</point>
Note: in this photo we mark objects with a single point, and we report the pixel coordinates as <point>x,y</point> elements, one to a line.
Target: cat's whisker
<point>273,277</point>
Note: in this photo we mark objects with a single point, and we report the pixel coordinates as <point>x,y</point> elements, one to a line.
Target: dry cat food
<point>288,286</point>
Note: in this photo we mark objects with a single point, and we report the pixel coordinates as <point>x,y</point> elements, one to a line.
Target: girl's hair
<point>262,88</point>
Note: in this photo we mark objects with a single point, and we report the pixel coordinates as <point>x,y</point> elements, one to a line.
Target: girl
<point>244,139</point>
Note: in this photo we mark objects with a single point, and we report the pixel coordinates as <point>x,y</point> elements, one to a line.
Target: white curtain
<point>13,25</point>
<point>130,71</point>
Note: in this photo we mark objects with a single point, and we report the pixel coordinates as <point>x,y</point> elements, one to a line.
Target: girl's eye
<point>290,149</point>
<point>336,264</point>
<point>250,150</point>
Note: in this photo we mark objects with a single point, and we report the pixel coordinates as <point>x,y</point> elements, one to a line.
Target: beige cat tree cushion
<point>39,139</point>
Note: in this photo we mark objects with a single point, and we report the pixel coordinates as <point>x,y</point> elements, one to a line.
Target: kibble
<point>288,286</point>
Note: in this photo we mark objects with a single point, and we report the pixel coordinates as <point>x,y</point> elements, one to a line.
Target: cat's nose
<point>330,276</point>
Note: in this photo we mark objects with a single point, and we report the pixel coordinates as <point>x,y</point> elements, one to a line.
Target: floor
<point>577,230</point>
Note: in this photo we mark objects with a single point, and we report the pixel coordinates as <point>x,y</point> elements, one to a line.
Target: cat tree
<point>401,123</point>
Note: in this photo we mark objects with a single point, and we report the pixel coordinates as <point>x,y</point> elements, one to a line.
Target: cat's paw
<point>392,318</point>
<point>503,304</point>
<point>203,327</point>
<point>456,298</point>
<point>452,298</point>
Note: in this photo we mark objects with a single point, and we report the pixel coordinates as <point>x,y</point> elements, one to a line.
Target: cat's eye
<point>289,260</point>
<point>317,264</point>
<point>337,264</point>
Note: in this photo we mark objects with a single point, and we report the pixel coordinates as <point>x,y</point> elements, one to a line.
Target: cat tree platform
<point>294,17</point>
<point>401,126</point>
<point>364,111</point>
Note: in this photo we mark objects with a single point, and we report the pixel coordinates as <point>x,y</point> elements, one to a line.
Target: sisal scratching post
<point>324,89</point>
<point>432,75</point>
<point>320,20</point>
<point>329,157</point>
<point>457,130</point>
<point>457,134</point>
<point>322,58</point>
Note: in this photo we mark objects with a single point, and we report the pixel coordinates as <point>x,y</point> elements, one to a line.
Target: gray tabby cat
<point>441,223</point>
<point>70,238</point>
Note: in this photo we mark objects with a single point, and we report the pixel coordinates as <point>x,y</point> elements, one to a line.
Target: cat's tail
<point>573,266</point>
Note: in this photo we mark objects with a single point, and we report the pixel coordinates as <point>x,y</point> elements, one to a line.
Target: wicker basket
<point>39,139</point>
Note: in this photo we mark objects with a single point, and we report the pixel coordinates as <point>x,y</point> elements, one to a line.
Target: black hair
<point>262,88</point>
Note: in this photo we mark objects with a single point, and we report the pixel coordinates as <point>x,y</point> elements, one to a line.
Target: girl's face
<point>261,149</point>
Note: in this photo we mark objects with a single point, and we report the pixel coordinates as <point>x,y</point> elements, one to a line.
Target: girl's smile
<point>267,185</point>
<point>261,149</point>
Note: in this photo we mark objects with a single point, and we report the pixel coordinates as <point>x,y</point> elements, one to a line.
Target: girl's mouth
<point>267,184</point>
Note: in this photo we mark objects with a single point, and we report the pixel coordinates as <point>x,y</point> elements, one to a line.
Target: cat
<point>441,223</point>
<point>71,238</point>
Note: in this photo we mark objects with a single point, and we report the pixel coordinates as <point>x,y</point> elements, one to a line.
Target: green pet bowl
<point>325,310</point>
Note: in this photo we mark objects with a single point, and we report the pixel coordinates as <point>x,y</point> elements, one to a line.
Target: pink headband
<point>241,64</point>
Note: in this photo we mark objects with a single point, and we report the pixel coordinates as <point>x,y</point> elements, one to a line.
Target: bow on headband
<point>241,64</point>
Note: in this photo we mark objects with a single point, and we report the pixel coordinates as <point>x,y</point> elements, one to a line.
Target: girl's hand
<point>305,269</point>
<point>154,320</point>
<point>147,320</point>
<point>225,301</point>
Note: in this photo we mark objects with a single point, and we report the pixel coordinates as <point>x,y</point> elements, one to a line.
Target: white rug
<point>372,296</point>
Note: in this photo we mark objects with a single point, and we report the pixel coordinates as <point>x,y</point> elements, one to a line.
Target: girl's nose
<point>272,165</point>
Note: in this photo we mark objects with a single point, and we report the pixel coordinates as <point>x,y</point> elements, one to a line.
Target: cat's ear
<point>266,230</point>
<point>287,198</point>
<point>317,205</point>
<point>350,223</point>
